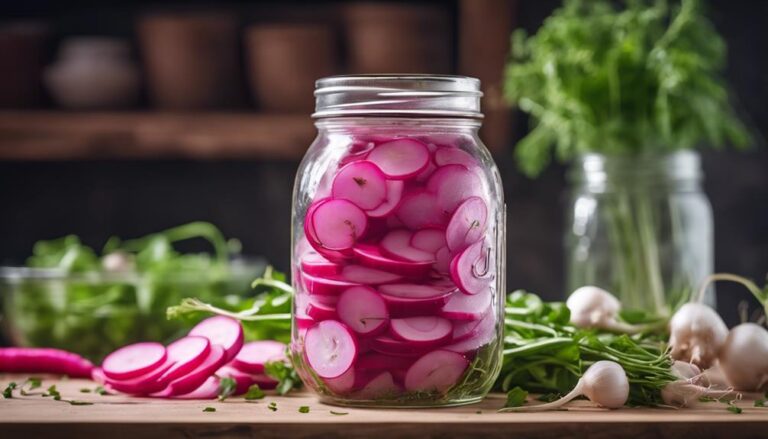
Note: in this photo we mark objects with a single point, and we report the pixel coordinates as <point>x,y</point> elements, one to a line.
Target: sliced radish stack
<point>342,384</point>
<point>381,386</point>
<point>413,299</point>
<point>371,256</point>
<point>221,331</point>
<point>378,361</point>
<point>208,390</point>
<point>426,331</point>
<point>145,384</point>
<point>480,335</point>
<point>325,286</point>
<point>470,269</point>
<point>387,345</point>
<point>363,310</point>
<point>186,354</point>
<point>195,378</point>
<point>254,355</point>
<point>443,259</point>
<point>467,225</point>
<point>330,348</point>
<point>394,195</point>
<point>134,360</point>
<point>368,276</point>
<point>362,183</point>
<point>315,264</point>
<point>319,312</point>
<point>436,371</point>
<point>400,159</point>
<point>397,244</point>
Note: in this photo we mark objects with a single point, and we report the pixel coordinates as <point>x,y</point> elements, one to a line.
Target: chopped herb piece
<point>57,397</point>
<point>304,409</point>
<point>227,387</point>
<point>285,374</point>
<point>8,392</point>
<point>76,402</point>
<point>209,409</point>
<point>339,413</point>
<point>479,412</point>
<point>53,392</point>
<point>34,382</point>
<point>272,406</point>
<point>516,397</point>
<point>760,403</point>
<point>85,390</point>
<point>734,409</point>
<point>101,391</point>
<point>254,392</point>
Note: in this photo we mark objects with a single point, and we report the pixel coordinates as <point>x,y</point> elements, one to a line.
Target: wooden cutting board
<point>118,416</point>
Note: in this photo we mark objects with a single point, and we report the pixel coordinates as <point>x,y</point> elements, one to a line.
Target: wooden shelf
<point>59,135</point>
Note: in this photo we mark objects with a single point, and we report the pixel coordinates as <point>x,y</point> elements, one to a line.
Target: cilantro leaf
<point>516,397</point>
<point>8,392</point>
<point>254,392</point>
<point>304,409</point>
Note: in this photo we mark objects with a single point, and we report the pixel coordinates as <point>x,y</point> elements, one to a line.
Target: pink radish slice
<point>311,234</point>
<point>319,312</point>
<point>357,151</point>
<point>371,256</point>
<point>324,300</point>
<point>381,386</point>
<point>133,360</point>
<point>343,383</point>
<point>420,209</point>
<point>362,183</point>
<point>377,361</point>
<point>461,306</point>
<point>254,355</point>
<point>246,380</point>
<point>208,390</point>
<point>454,156</point>
<point>453,184</point>
<point>143,384</point>
<point>393,222</point>
<point>187,353</point>
<point>443,259</point>
<point>387,345</point>
<point>265,382</point>
<point>427,172</point>
<point>98,375</point>
<point>480,335</point>
<point>368,276</point>
<point>325,286</point>
<point>44,360</point>
<point>424,331</point>
<point>337,224</point>
<point>195,378</point>
<point>467,225</point>
<point>397,244</point>
<point>363,310</point>
<point>469,269</point>
<point>400,159</point>
<point>394,195</point>
<point>436,371</point>
<point>221,331</point>
<point>331,348</point>
<point>315,264</point>
<point>428,240</point>
<point>411,299</point>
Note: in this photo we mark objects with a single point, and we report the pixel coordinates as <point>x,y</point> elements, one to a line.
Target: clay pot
<point>398,38</point>
<point>93,73</point>
<point>283,62</point>
<point>22,57</point>
<point>191,60</point>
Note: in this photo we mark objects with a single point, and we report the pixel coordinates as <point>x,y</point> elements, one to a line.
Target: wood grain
<point>120,416</point>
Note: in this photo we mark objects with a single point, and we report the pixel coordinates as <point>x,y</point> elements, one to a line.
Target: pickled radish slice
<point>325,285</point>
<point>426,331</point>
<point>394,195</point>
<point>435,371</point>
<point>337,224</point>
<point>378,361</point>
<point>443,259</point>
<point>400,159</point>
<point>368,276</point>
<point>145,384</point>
<point>420,209</point>
<point>465,329</point>
<point>415,291</point>
<point>381,386</point>
<point>331,348</point>
<point>461,306</point>
<point>429,240</point>
<point>343,383</point>
<point>363,310</point>
<point>453,184</point>
<point>426,173</point>
<point>195,378</point>
<point>315,264</point>
<point>454,156</point>
<point>481,335</point>
<point>371,256</point>
<point>222,331</point>
<point>254,355</point>
<point>469,269</point>
<point>397,243</point>
<point>186,353</point>
<point>319,312</point>
<point>311,235</point>
<point>389,346</point>
<point>413,299</point>
<point>362,183</point>
<point>134,360</point>
<point>467,225</point>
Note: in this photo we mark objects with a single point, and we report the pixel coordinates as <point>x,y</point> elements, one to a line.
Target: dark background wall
<point>250,200</point>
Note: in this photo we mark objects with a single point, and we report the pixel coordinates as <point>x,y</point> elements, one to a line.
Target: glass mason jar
<point>640,227</point>
<point>398,245</point>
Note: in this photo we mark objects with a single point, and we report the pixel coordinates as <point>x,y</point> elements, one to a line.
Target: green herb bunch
<point>627,77</point>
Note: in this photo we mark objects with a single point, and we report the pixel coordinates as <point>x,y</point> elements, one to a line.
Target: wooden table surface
<point>117,416</point>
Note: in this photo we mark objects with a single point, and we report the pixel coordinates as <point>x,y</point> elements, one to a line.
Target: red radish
<point>419,209</point>
<point>362,183</point>
<point>44,360</point>
<point>311,234</point>
<point>337,224</point>
<point>377,361</point>
<point>381,386</point>
<point>98,375</point>
<point>315,264</point>
<point>435,371</point>
<point>394,195</point>
<point>331,348</point>
<point>363,310</point>
<point>393,222</point>
<point>242,380</point>
<point>319,312</point>
<point>400,159</point>
<point>467,225</point>
<point>343,383</point>
<point>146,384</point>
<point>134,360</point>
<point>481,335</point>
<point>325,286</point>
<point>254,355</point>
<point>429,240</point>
<point>397,243</point>
<point>368,276</point>
<point>186,353</point>
<point>264,381</point>
<point>453,184</point>
<point>371,256</point>
<point>223,331</point>
<point>454,156</point>
<point>195,378</point>
<point>424,331</point>
<point>208,390</point>
<point>443,259</point>
<point>470,269</point>
<point>390,346</point>
<point>414,299</point>
<point>461,306</point>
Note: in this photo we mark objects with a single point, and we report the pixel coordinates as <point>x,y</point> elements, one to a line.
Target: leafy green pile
<point>92,304</point>
<point>642,76</point>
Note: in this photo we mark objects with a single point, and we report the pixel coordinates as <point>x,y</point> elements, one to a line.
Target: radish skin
<point>44,360</point>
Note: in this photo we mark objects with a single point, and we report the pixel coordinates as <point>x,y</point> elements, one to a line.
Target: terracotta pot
<point>398,38</point>
<point>285,60</point>
<point>22,57</point>
<point>191,60</point>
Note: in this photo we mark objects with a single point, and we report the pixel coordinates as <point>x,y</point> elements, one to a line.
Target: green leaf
<point>516,397</point>
<point>734,409</point>
<point>254,392</point>
<point>272,406</point>
<point>227,387</point>
<point>760,403</point>
<point>304,409</point>
<point>8,391</point>
<point>85,390</point>
<point>209,409</point>
<point>287,377</point>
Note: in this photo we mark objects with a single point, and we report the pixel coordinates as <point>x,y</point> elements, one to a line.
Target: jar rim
<point>398,94</point>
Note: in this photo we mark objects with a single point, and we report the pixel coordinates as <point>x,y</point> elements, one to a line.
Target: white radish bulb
<point>696,334</point>
<point>605,383</point>
<point>686,391</point>
<point>744,357</point>
<point>593,307</point>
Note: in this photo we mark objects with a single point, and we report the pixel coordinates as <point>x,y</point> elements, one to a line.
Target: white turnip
<point>744,357</point>
<point>593,307</point>
<point>697,334</point>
